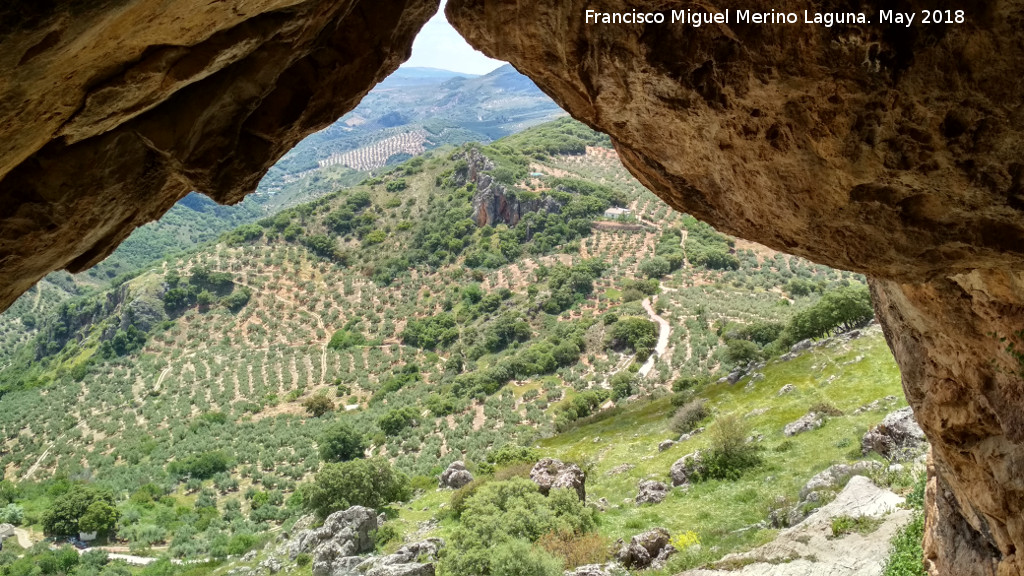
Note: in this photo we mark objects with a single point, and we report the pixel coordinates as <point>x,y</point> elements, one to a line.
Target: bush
<point>688,416</point>
<point>740,352</point>
<point>906,556</point>
<point>519,558</point>
<point>730,454</point>
<point>622,385</point>
<point>638,334</point>
<point>345,338</point>
<point>200,466</point>
<point>318,405</point>
<point>340,442</point>
<point>372,483</point>
<point>576,549</point>
<point>655,267</point>
<point>304,559</point>
<point>503,512</point>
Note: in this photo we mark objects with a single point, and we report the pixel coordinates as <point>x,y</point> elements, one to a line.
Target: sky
<point>440,46</point>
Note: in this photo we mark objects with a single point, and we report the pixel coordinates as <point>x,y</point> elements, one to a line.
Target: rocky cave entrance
<point>878,148</point>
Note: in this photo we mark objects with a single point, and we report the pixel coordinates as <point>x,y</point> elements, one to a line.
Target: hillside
<point>472,298</point>
<point>413,110</point>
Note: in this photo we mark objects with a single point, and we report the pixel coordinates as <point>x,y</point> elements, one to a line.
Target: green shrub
<point>303,559</point>
<point>842,525</point>
<point>906,555</point>
<point>372,483</point>
<point>730,454</point>
<point>519,558</point>
<point>688,416</point>
<point>340,442</point>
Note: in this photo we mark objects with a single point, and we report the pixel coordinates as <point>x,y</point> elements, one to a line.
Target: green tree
<point>372,483</point>
<point>63,515</point>
<point>622,385</point>
<point>520,558</point>
<point>639,334</point>
<point>396,419</point>
<point>341,442</point>
<point>99,517</point>
<point>318,405</point>
<point>655,267</point>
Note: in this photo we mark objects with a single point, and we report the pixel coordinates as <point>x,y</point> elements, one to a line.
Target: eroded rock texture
<point>888,150</point>
<point>111,111</point>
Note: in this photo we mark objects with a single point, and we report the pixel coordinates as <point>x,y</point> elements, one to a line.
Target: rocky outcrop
<point>651,492</point>
<point>110,112</point>
<point>455,476</point>
<point>806,423</point>
<point>810,548</point>
<point>493,202</point>
<point>339,547</point>
<point>685,468</point>
<point>897,438</point>
<point>648,550</point>
<point>550,473</point>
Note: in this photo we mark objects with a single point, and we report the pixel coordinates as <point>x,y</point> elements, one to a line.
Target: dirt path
<point>663,334</point>
<point>24,538</point>
<point>35,466</point>
<point>39,296</point>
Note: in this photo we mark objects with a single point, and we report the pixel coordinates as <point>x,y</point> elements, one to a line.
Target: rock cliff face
<point>493,203</point>
<point>111,111</point>
<point>889,150</point>
<point>885,149</point>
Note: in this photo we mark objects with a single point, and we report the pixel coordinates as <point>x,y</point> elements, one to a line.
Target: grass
<point>843,525</point>
<point>906,557</point>
<point>715,510</point>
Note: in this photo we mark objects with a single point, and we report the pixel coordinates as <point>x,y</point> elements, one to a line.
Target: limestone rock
<point>405,561</point>
<point>665,445</point>
<point>610,569</point>
<point>455,476</point>
<point>645,550</point>
<point>835,475</point>
<point>336,545</point>
<point>651,492</point>
<point>898,437</point>
<point>550,473</point>
<point>788,388</point>
<point>806,423</point>
<point>684,469</point>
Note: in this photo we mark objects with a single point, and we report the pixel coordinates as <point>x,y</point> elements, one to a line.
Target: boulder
<point>786,390</point>
<point>550,473</point>
<point>684,469</point>
<point>665,445</point>
<point>404,562</point>
<point>455,476</point>
<point>645,550</point>
<point>651,492</point>
<point>336,545</point>
<point>808,422</point>
<point>272,565</point>
<point>835,475</point>
<point>898,437</point>
<point>610,569</point>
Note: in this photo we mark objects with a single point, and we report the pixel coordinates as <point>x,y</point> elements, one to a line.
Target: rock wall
<point>889,150</point>
<point>112,111</point>
<point>493,203</point>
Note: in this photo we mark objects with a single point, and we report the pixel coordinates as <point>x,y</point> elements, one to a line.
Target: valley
<point>473,303</point>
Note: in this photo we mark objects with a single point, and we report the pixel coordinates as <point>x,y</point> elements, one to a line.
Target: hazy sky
<point>440,46</point>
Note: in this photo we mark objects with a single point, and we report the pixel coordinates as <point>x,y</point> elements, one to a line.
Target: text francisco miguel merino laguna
<point>696,18</point>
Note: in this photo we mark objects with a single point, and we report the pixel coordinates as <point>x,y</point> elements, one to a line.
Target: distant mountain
<point>417,109</point>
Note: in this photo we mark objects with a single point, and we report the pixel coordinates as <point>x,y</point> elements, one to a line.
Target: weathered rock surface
<point>808,547</point>
<point>493,202</point>
<point>806,423</point>
<point>683,470</point>
<point>835,475</point>
<point>550,473</point>
<point>651,492</point>
<point>647,550</point>
<point>336,545</point>
<point>610,569</point>
<point>897,438</point>
<point>406,561</point>
<point>455,476</point>
<point>110,112</point>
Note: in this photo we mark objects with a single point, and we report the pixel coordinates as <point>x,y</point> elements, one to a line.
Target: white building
<point>616,213</point>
